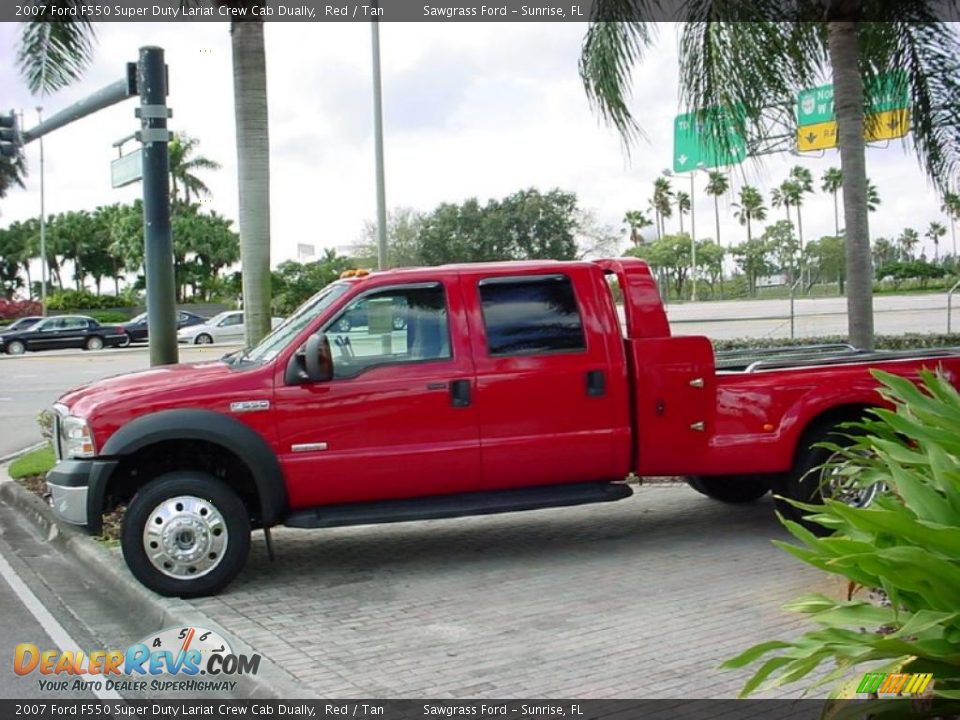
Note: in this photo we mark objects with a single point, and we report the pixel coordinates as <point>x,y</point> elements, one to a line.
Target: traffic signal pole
<point>148,79</point>
<point>158,258</point>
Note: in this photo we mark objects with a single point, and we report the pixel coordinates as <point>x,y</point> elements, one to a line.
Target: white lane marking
<point>47,621</point>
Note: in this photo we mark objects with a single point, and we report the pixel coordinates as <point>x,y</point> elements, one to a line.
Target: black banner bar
<point>422,11</point>
<point>483,709</point>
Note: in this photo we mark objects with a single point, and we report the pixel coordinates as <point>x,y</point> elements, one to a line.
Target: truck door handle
<point>460,393</point>
<point>596,383</point>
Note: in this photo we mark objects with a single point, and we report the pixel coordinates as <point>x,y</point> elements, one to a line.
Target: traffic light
<point>9,136</point>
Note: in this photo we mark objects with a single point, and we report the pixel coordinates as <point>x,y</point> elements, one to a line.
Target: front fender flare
<point>192,424</point>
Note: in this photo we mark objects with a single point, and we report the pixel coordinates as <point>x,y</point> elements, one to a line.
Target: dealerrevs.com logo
<point>173,661</point>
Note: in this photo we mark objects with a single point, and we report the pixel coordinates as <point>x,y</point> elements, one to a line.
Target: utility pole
<point>43,226</point>
<point>378,143</point>
<point>158,256</point>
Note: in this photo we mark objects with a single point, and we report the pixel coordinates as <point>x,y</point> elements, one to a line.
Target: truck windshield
<point>272,344</point>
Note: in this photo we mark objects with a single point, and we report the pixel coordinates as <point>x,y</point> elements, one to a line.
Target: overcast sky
<point>470,109</point>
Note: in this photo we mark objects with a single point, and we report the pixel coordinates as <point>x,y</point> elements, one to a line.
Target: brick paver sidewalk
<point>639,598</point>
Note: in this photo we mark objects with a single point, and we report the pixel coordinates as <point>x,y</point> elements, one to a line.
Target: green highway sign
<point>695,145</point>
<point>815,105</point>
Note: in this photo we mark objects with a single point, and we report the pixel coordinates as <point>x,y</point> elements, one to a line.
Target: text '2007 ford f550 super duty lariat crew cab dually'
<point>456,390</point>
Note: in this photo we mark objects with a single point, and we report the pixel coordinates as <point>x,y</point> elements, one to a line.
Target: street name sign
<point>127,169</point>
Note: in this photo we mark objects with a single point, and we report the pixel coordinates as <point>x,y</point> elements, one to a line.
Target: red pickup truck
<point>456,390</point>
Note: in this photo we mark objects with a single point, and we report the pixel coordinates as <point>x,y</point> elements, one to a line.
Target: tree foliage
<point>294,282</point>
<point>527,225</point>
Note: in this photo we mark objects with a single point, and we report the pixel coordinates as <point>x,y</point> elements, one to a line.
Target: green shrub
<point>45,421</point>
<point>906,543</point>
<point>84,300</point>
<point>108,317</point>
<point>908,341</point>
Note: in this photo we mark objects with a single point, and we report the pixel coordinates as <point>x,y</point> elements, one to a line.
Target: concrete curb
<point>107,565</point>
<point>17,453</point>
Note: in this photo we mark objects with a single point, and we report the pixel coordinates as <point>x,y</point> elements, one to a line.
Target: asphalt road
<point>31,382</point>
<point>893,315</point>
<point>42,596</point>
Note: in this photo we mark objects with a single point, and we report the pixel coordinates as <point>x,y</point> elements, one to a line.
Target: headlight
<point>76,440</point>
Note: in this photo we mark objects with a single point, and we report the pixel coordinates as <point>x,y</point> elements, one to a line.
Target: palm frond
<point>201,163</point>
<point>926,53</point>
<point>744,57</point>
<point>54,54</point>
<point>610,52</point>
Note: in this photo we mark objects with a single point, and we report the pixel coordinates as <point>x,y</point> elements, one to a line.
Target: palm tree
<point>662,203</point>
<point>832,182</point>
<point>683,206</point>
<point>951,207</point>
<point>935,232</point>
<point>782,196</point>
<point>907,241</point>
<point>884,252</point>
<point>54,54</point>
<point>873,197</point>
<point>801,183</point>
<point>183,167</point>
<point>728,62</point>
<point>637,220</point>
<point>750,208</point>
<point>717,185</point>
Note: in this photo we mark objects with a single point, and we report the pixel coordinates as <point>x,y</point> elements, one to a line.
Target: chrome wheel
<point>15,347</point>
<point>204,339</point>
<point>94,343</point>
<point>185,537</point>
<point>837,483</point>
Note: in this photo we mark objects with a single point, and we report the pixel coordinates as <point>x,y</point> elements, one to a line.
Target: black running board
<point>460,505</point>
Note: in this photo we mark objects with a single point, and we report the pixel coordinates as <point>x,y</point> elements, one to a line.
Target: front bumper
<point>69,486</point>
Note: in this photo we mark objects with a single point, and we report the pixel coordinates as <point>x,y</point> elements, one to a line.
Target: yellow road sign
<point>886,125</point>
<point>821,136</point>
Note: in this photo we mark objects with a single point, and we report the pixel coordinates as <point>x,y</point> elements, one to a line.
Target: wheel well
<point>147,463</point>
<point>833,416</point>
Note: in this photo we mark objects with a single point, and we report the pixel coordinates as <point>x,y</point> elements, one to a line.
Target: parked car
<point>225,327</point>
<point>21,324</point>
<point>358,316</point>
<point>59,332</point>
<point>514,386</point>
<point>137,330</point>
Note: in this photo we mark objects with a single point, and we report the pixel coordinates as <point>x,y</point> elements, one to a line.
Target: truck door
<point>398,419</point>
<point>549,411</point>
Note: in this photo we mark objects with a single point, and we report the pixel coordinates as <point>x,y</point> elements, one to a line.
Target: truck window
<point>531,315</point>
<point>396,325</point>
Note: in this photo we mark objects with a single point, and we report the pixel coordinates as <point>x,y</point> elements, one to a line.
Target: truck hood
<point>169,383</point>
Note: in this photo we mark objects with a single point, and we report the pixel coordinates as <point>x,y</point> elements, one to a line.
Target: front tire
<point>204,339</point>
<point>186,534</point>
<point>733,489</point>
